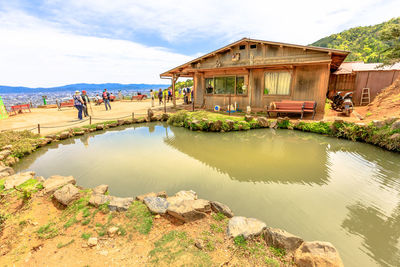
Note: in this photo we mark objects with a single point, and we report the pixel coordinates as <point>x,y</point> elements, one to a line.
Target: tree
<point>391,36</point>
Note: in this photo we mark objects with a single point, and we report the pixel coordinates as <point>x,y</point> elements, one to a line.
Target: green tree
<point>391,36</point>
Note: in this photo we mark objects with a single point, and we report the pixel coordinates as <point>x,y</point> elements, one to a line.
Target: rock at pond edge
<point>247,227</point>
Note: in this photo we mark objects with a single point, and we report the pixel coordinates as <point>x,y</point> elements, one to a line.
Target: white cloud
<point>80,40</point>
<point>33,53</point>
<point>178,21</point>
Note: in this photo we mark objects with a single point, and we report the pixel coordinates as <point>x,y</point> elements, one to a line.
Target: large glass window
<point>225,85</point>
<point>277,83</point>
<point>209,85</point>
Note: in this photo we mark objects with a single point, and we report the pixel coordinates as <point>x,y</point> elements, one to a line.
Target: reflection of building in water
<point>287,157</point>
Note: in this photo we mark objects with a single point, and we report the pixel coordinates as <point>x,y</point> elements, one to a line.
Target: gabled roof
<point>340,53</point>
<point>350,67</point>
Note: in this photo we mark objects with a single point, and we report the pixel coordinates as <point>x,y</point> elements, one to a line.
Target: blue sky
<point>55,42</point>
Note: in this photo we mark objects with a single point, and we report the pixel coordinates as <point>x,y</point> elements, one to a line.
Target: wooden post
<point>133,116</point>
<point>90,120</point>
<point>165,103</point>
<point>173,90</point>
<point>38,128</point>
<point>229,106</point>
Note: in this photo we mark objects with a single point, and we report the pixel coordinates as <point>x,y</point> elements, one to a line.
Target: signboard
<point>3,111</point>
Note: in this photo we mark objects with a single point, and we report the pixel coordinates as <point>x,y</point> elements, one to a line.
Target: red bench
<point>138,97</point>
<point>69,103</point>
<point>309,106</point>
<point>288,107</point>
<point>19,108</point>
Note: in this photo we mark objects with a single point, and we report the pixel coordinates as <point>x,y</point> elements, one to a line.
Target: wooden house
<point>255,73</point>
<point>354,76</point>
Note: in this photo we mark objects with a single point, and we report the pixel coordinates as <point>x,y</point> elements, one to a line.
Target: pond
<point>317,187</point>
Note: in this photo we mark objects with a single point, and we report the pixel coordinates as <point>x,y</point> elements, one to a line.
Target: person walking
<point>106,99</point>
<point>86,101</point>
<point>160,96</point>
<point>78,104</point>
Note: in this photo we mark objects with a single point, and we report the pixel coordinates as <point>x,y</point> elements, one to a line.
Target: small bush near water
<point>23,142</point>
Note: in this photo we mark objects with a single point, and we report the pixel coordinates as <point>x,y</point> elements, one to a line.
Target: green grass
<point>240,241</point>
<point>61,245</point>
<point>47,231</point>
<point>278,252</point>
<point>140,217</point>
<point>219,216</point>
<point>86,236</point>
<point>175,248</point>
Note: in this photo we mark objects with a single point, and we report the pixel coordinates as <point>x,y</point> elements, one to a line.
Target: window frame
<point>221,76</point>
<point>290,71</point>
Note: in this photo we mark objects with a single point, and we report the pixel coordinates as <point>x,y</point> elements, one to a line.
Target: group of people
<point>167,95</point>
<point>82,100</point>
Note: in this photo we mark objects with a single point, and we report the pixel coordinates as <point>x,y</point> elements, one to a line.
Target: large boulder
<point>248,118</point>
<point>119,203</point>
<point>100,189</point>
<point>263,122</point>
<point>162,194</point>
<point>67,194</point>
<point>215,126</point>
<point>100,127</point>
<point>164,117</point>
<point>156,205</point>
<point>64,135</point>
<point>99,199</point>
<point>189,210</point>
<point>4,154</point>
<point>6,171</point>
<point>187,195</point>
<point>10,160</point>
<point>247,227</point>
<point>230,123</point>
<point>273,124</point>
<point>378,124</point>
<point>7,147</point>
<point>57,181</point>
<point>317,253</point>
<point>395,125</point>
<point>17,179</point>
<point>218,207</point>
<point>281,239</point>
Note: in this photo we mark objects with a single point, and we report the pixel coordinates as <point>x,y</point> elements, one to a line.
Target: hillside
<point>363,42</point>
<point>81,86</point>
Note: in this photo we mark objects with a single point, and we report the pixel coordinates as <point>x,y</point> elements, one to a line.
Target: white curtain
<point>278,82</point>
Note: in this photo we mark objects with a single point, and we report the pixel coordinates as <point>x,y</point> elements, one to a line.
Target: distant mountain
<point>81,86</point>
<point>364,43</point>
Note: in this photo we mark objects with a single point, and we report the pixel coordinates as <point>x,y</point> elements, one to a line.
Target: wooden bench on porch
<point>69,103</point>
<point>309,106</point>
<point>19,108</point>
<point>288,107</point>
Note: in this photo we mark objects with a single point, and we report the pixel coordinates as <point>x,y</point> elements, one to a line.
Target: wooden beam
<point>173,90</point>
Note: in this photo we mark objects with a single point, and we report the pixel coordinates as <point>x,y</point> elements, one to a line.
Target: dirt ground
<point>51,117</point>
<point>41,232</point>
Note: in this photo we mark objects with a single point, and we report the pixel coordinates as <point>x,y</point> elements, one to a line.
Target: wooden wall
<point>375,81</point>
<point>309,82</point>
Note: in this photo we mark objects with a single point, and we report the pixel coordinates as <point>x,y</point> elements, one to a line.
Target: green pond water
<point>317,187</point>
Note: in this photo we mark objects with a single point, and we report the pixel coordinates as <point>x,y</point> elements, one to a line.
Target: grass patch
<point>61,245</point>
<point>86,236</point>
<point>141,217</point>
<point>47,231</point>
<point>219,216</point>
<point>176,248</point>
<point>278,252</point>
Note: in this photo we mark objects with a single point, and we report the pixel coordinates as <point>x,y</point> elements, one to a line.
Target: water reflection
<point>258,156</point>
<point>380,233</point>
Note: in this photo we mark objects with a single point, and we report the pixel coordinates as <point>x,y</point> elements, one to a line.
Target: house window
<point>240,88</point>
<point>224,85</point>
<point>209,85</point>
<point>277,83</point>
<point>242,47</point>
<point>253,46</point>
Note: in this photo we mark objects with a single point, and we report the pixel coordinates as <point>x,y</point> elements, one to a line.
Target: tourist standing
<point>78,104</point>
<point>86,101</point>
<point>160,96</point>
<point>152,97</point>
<point>106,99</point>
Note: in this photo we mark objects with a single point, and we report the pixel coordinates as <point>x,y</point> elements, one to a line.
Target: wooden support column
<point>173,90</point>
